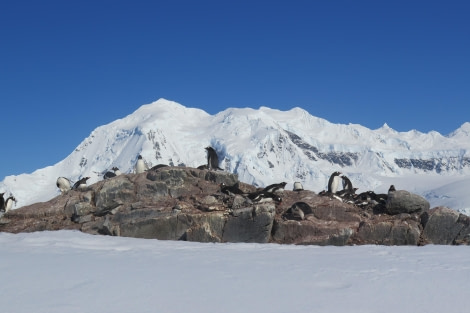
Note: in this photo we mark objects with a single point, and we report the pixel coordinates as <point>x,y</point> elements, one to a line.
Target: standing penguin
<point>212,159</point>
<point>9,203</point>
<point>140,165</point>
<point>333,182</point>
<point>2,202</point>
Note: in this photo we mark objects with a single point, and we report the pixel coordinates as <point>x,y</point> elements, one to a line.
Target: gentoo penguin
<point>348,192</point>
<point>263,196</point>
<point>298,186</point>
<point>140,165</point>
<point>275,187</point>
<point>298,211</point>
<point>333,182</point>
<point>346,183</point>
<point>156,167</point>
<point>2,202</point>
<point>115,172</point>
<point>364,198</point>
<point>63,184</point>
<point>392,188</point>
<point>231,190</point>
<point>212,159</point>
<point>9,203</point>
<point>81,184</point>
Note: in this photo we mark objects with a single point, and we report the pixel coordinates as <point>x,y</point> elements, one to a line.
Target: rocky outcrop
<point>402,201</point>
<point>179,203</point>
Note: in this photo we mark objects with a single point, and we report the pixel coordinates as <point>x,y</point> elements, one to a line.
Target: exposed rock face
<point>178,203</point>
<point>445,226</point>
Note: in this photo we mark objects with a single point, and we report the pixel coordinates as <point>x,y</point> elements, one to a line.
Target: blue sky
<point>67,67</point>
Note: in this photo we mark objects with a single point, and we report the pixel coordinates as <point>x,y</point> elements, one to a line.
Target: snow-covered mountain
<point>265,146</point>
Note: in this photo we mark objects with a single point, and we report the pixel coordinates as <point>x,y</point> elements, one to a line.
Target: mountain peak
<point>262,147</point>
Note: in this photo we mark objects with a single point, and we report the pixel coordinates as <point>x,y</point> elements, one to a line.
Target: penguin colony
<point>272,192</point>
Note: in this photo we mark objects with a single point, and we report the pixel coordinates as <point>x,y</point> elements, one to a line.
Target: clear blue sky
<point>67,67</point>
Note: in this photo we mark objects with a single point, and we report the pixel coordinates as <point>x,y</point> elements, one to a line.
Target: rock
<point>251,224</point>
<point>402,201</point>
<point>394,232</point>
<point>445,226</point>
<point>179,203</point>
<point>310,232</point>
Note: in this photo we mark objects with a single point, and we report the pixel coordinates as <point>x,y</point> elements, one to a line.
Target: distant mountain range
<point>265,146</point>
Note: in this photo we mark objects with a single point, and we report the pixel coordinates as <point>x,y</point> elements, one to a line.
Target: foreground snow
<point>68,271</point>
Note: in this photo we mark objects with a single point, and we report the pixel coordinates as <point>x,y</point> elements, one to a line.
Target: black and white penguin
<point>294,213</point>
<point>2,202</point>
<point>275,187</point>
<point>63,184</point>
<point>348,192</point>
<point>231,190</point>
<point>212,159</point>
<point>140,165</point>
<point>263,196</point>
<point>81,184</point>
<point>347,183</point>
<point>380,197</point>
<point>158,166</point>
<point>391,189</point>
<point>298,186</point>
<point>333,182</point>
<point>115,172</point>
<point>362,199</point>
<point>9,203</point>
<point>298,211</point>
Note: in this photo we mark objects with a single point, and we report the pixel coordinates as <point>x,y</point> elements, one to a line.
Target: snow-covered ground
<point>73,272</point>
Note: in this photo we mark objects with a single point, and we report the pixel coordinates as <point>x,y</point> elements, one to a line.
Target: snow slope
<point>263,146</point>
<point>73,272</point>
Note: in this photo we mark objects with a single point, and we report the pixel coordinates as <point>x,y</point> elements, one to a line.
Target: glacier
<point>264,146</point>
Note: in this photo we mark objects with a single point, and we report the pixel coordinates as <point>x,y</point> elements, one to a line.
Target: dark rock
<point>402,201</point>
<point>394,232</point>
<point>251,224</point>
<point>445,226</point>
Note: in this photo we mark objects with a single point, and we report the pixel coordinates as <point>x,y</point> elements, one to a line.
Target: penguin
<point>298,211</point>
<point>275,187</point>
<point>231,190</point>
<point>140,165</point>
<point>63,184</point>
<point>9,203</point>
<point>294,213</point>
<point>81,184</point>
<point>333,182</point>
<point>2,202</point>
<point>114,173</point>
<point>391,189</point>
<point>298,186</point>
<point>348,192</point>
<point>156,167</point>
<point>212,159</point>
<point>363,198</point>
<point>380,197</point>
<point>263,196</point>
<point>347,183</point>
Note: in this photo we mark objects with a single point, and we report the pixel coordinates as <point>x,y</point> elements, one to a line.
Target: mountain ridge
<point>259,145</point>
